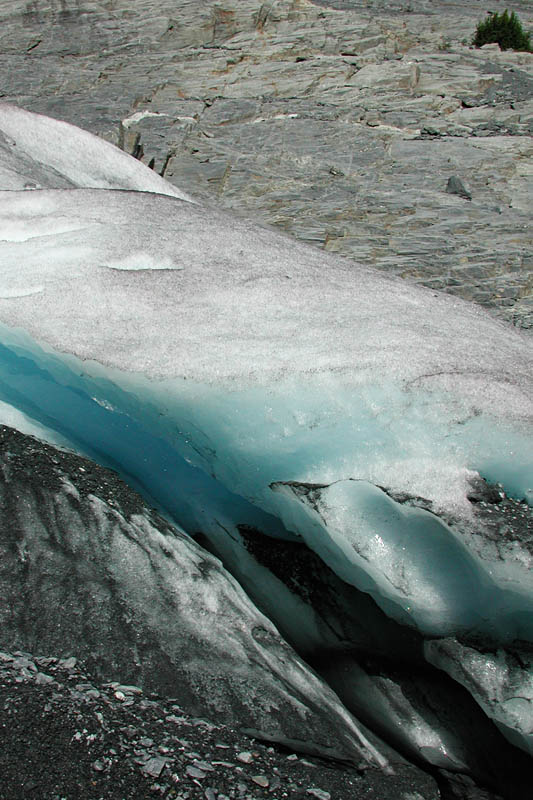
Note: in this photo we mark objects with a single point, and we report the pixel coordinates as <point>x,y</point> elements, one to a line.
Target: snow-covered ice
<point>36,151</point>
<point>219,365</point>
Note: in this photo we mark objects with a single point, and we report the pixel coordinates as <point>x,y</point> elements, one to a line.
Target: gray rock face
<point>87,569</point>
<point>340,125</point>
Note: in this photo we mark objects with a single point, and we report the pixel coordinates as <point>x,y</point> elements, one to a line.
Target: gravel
<point>65,735</point>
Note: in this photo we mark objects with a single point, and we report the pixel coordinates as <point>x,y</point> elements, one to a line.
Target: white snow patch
<point>140,115</point>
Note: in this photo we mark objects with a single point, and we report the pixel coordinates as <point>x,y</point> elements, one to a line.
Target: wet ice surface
<point>412,562</point>
<point>501,681</point>
<point>219,365</point>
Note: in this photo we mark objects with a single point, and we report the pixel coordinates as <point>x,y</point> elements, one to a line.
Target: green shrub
<point>504,29</point>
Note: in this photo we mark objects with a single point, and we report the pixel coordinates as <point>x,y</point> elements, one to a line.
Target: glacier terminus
<point>356,451</point>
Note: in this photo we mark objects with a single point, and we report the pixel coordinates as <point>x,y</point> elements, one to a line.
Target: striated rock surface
<point>340,122</point>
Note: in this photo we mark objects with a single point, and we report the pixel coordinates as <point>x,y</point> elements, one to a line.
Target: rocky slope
<point>64,733</point>
<point>342,125</point>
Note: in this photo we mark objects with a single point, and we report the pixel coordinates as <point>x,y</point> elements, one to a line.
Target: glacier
<point>211,394</point>
<point>245,382</point>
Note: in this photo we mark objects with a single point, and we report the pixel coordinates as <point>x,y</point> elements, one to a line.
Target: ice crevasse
<point>240,378</point>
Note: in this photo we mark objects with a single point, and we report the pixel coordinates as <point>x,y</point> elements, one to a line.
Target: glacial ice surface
<point>501,682</point>
<point>226,370</point>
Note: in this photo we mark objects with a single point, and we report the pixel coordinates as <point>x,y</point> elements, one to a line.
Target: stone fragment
<point>245,757</point>
<point>193,772</point>
<point>320,794</point>
<point>6,658</point>
<point>154,766</point>
<point>24,663</point>
<point>68,663</point>
<point>203,765</point>
<point>481,491</point>
<point>198,722</point>
<point>261,780</point>
<point>45,662</point>
<point>129,689</point>
<point>42,679</point>
<point>456,186</point>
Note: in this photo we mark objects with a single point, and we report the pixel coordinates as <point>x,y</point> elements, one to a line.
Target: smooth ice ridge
<point>408,559</point>
<point>214,462</point>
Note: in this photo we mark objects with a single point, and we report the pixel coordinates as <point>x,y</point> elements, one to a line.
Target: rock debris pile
<point>64,734</point>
